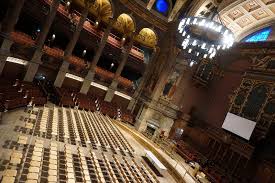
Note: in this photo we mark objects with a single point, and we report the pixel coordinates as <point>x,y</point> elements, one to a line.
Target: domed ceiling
<point>101,8</point>
<point>125,24</point>
<point>147,37</point>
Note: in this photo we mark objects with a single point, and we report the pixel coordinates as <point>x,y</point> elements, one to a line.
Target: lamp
<point>203,37</point>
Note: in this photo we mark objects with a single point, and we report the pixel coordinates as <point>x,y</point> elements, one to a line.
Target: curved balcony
<point>26,40</point>
<point>135,51</point>
<point>114,40</point>
<point>89,26</point>
<point>77,61</point>
<point>54,52</point>
<point>22,38</point>
<point>105,75</point>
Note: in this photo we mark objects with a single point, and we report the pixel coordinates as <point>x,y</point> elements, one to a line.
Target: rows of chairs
<point>58,149</point>
<point>71,98</point>
<point>189,154</point>
<point>49,162</point>
<point>80,127</point>
<point>19,94</point>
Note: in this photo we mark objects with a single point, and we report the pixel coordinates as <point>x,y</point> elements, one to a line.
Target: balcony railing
<point>114,40</point>
<point>135,51</point>
<point>54,52</point>
<point>89,26</point>
<point>25,39</point>
<point>22,38</point>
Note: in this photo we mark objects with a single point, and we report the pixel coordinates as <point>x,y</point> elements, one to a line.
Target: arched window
<point>261,35</point>
<point>162,6</point>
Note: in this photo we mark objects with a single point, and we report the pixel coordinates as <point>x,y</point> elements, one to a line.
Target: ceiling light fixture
<point>203,37</point>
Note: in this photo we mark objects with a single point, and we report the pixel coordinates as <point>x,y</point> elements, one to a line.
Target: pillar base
<point>87,82</point>
<point>31,71</point>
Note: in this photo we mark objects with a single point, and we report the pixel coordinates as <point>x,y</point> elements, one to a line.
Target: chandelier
<point>203,37</point>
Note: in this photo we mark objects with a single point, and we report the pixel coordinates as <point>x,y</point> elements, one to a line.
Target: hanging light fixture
<point>203,37</point>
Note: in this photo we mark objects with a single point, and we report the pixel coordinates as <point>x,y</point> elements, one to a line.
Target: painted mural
<point>173,80</point>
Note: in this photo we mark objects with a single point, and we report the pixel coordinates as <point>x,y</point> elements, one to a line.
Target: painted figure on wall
<point>173,81</point>
<point>171,85</point>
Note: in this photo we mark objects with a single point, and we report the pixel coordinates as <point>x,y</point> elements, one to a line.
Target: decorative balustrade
<point>114,40</point>
<point>54,52</point>
<point>22,38</point>
<point>104,74</point>
<point>77,61</point>
<point>135,51</point>
<point>89,26</point>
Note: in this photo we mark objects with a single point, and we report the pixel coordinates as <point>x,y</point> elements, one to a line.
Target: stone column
<point>69,49</point>
<point>8,25</point>
<point>138,91</point>
<point>36,59</point>
<point>150,4</point>
<point>90,76</point>
<point>125,54</point>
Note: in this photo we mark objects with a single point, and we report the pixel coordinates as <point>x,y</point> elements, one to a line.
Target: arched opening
<point>163,7</point>
<point>258,36</point>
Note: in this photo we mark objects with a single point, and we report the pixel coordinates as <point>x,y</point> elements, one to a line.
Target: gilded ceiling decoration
<point>101,8</point>
<point>147,37</point>
<point>125,24</point>
<point>248,16</point>
<point>243,17</point>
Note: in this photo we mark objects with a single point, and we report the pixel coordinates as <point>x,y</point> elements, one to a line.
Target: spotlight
<point>84,53</point>
<point>53,37</point>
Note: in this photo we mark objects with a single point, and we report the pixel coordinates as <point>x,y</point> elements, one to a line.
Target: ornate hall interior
<point>135,91</point>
